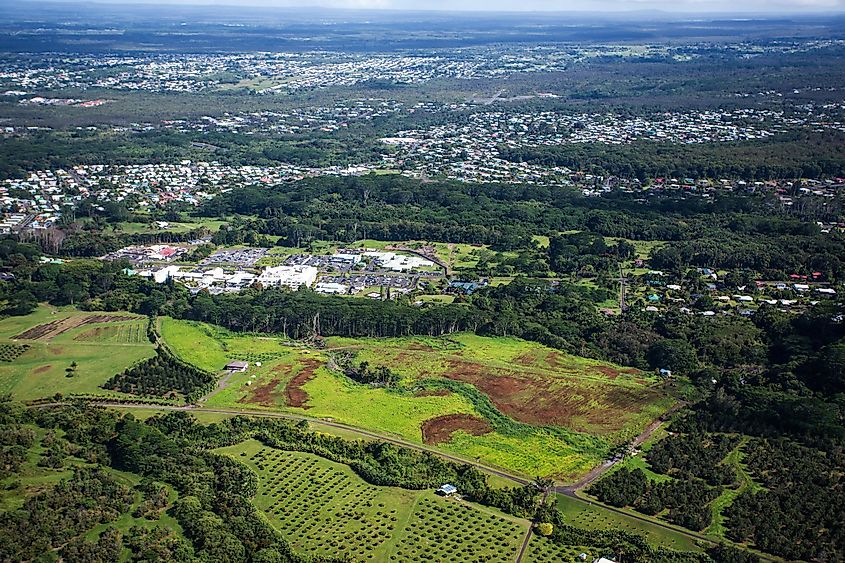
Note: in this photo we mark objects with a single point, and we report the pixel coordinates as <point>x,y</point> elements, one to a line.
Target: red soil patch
<point>538,399</point>
<point>419,347</point>
<point>52,329</point>
<point>295,395</point>
<point>264,395</point>
<point>433,393</point>
<point>610,372</point>
<point>42,369</point>
<point>439,429</point>
<point>527,359</point>
<point>553,359</point>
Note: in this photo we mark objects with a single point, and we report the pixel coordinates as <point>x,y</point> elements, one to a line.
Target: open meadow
<point>507,402</point>
<point>67,351</point>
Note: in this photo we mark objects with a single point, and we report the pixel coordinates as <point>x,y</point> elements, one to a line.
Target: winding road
<point>570,491</point>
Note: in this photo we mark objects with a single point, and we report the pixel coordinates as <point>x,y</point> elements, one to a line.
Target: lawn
<point>183,226</point>
<point>67,351</point>
<point>324,508</point>
<point>506,402</point>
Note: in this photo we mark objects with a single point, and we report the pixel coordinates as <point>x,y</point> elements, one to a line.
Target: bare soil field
<point>439,430</point>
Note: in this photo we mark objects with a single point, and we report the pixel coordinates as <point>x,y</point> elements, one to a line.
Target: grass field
<point>724,500</point>
<point>543,550</point>
<point>596,517</point>
<point>134,228</point>
<point>324,508</point>
<point>489,399</point>
<point>68,351</point>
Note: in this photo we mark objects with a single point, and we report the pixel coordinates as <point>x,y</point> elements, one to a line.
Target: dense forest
<point>727,231</point>
<point>796,155</point>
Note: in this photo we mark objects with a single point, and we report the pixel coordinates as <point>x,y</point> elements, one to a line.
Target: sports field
<point>67,351</point>
<point>507,402</point>
<point>324,508</point>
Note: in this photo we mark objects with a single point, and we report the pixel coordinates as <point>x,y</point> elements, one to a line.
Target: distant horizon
<point>686,8</point>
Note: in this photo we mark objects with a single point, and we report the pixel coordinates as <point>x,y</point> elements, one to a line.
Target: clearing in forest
<point>511,403</point>
<point>324,508</point>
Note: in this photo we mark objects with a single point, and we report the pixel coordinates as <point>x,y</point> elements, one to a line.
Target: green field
<point>489,399</point>
<point>68,353</point>
<point>592,516</point>
<point>324,508</point>
<point>724,500</point>
<point>134,228</point>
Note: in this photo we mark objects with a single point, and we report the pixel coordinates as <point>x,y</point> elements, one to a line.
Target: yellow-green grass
<point>402,413</point>
<point>542,241</point>
<point>539,378</point>
<point>437,299</point>
<point>134,228</point>
<point>638,461</point>
<point>642,248</point>
<point>42,371</point>
<point>324,508</point>
<point>535,454</point>
<point>194,343</point>
<point>211,348</point>
<point>591,516</point>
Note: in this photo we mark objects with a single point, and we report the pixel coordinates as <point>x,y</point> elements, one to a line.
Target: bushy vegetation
<point>799,512</point>
<point>799,155</point>
<point>694,456</point>
<point>51,519</point>
<point>163,375</point>
<point>11,352</point>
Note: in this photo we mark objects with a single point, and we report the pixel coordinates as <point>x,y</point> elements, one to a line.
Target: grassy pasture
<point>595,517</point>
<point>529,382</point>
<point>518,387</point>
<point>324,508</point>
<point>55,339</point>
<point>543,550</point>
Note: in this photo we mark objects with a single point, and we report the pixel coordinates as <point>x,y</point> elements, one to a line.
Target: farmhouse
<point>237,365</point>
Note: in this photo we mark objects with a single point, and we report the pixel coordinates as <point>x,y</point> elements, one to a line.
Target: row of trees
<point>163,375</point>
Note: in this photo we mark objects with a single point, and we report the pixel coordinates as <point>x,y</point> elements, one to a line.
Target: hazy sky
<point>690,6</point>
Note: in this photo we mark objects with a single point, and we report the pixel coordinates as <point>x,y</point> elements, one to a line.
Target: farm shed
<point>237,365</point>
